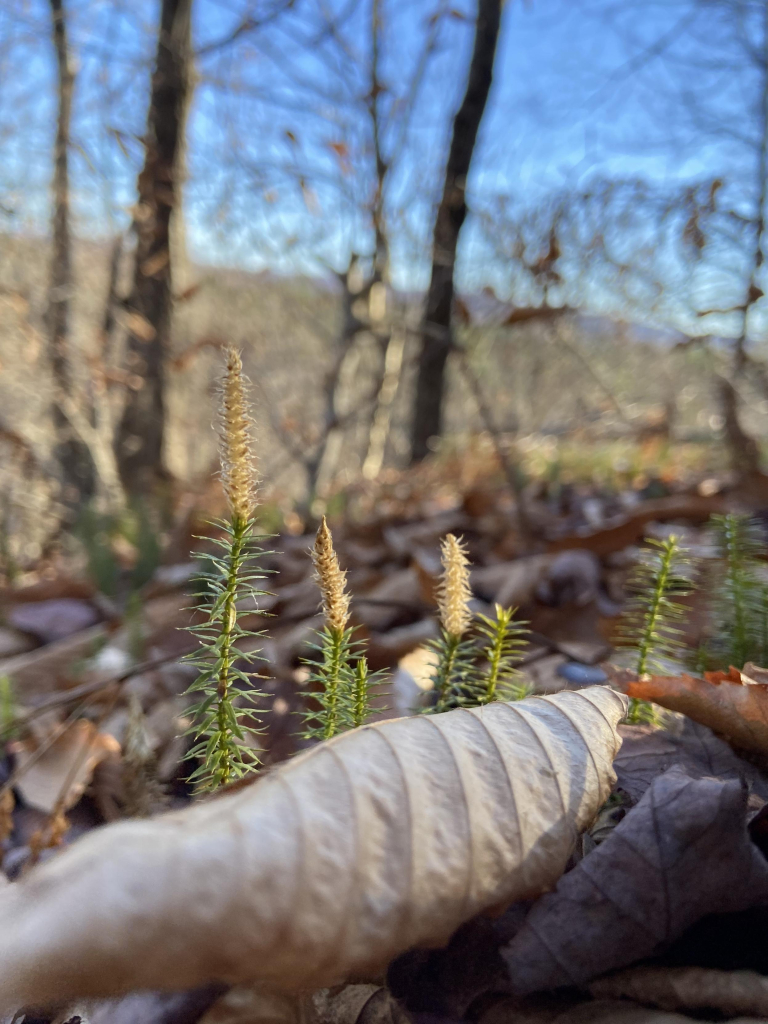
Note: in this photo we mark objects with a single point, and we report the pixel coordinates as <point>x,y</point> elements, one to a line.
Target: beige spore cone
<point>236,429</point>
<point>454,592</point>
<point>331,579</point>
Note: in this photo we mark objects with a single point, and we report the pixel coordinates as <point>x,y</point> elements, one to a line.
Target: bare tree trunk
<point>71,456</point>
<point>351,326</point>
<point>382,417</point>
<point>743,449</point>
<point>436,328</point>
<point>753,290</point>
<point>141,431</point>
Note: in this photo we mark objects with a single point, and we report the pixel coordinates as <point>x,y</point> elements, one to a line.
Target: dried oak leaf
<point>688,988</point>
<point>683,852</point>
<point>67,764</point>
<point>648,752</point>
<point>731,707</point>
<point>387,837</point>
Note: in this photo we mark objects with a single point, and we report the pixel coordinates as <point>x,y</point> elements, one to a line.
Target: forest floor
<point>670,873</point>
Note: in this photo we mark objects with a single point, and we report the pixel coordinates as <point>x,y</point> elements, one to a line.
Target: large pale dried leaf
<point>647,752</point>
<point>66,764</point>
<point>385,838</point>
<point>730,707</point>
<point>688,988</point>
<point>683,852</point>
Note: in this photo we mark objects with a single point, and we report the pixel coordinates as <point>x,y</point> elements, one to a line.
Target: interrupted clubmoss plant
<point>504,639</point>
<point>8,722</point>
<point>360,705</point>
<point>453,671</point>
<point>740,601</point>
<point>341,674</point>
<point>651,623</point>
<point>221,728</point>
<point>762,623</point>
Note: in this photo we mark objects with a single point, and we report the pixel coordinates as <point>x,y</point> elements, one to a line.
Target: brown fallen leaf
<point>688,988</point>
<point>599,1011</point>
<point>43,670</point>
<point>683,852</point>
<point>736,710</point>
<point>53,620</point>
<point>357,1004</point>
<point>630,530</point>
<point>382,606</point>
<point>385,649</point>
<point>49,836</point>
<point>384,838</point>
<point>424,532</point>
<point>347,1004</point>
<point>7,804</point>
<point>647,752</point>
<point>449,980</point>
<point>573,578</point>
<point>511,584</point>
<point>75,754</point>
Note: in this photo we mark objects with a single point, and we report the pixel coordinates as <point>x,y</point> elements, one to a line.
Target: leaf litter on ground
<point>433,818</point>
<point>683,852</point>
<point>570,593</point>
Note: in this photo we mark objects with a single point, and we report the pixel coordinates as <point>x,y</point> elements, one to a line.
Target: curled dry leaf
<point>683,852</point>
<point>688,988</point>
<point>385,838</point>
<point>69,762</point>
<point>731,707</point>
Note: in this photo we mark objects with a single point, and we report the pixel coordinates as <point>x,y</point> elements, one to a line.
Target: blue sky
<point>665,90</point>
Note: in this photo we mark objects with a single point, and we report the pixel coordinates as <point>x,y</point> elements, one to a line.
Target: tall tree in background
<point>73,458</point>
<point>436,325</point>
<point>141,431</point>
